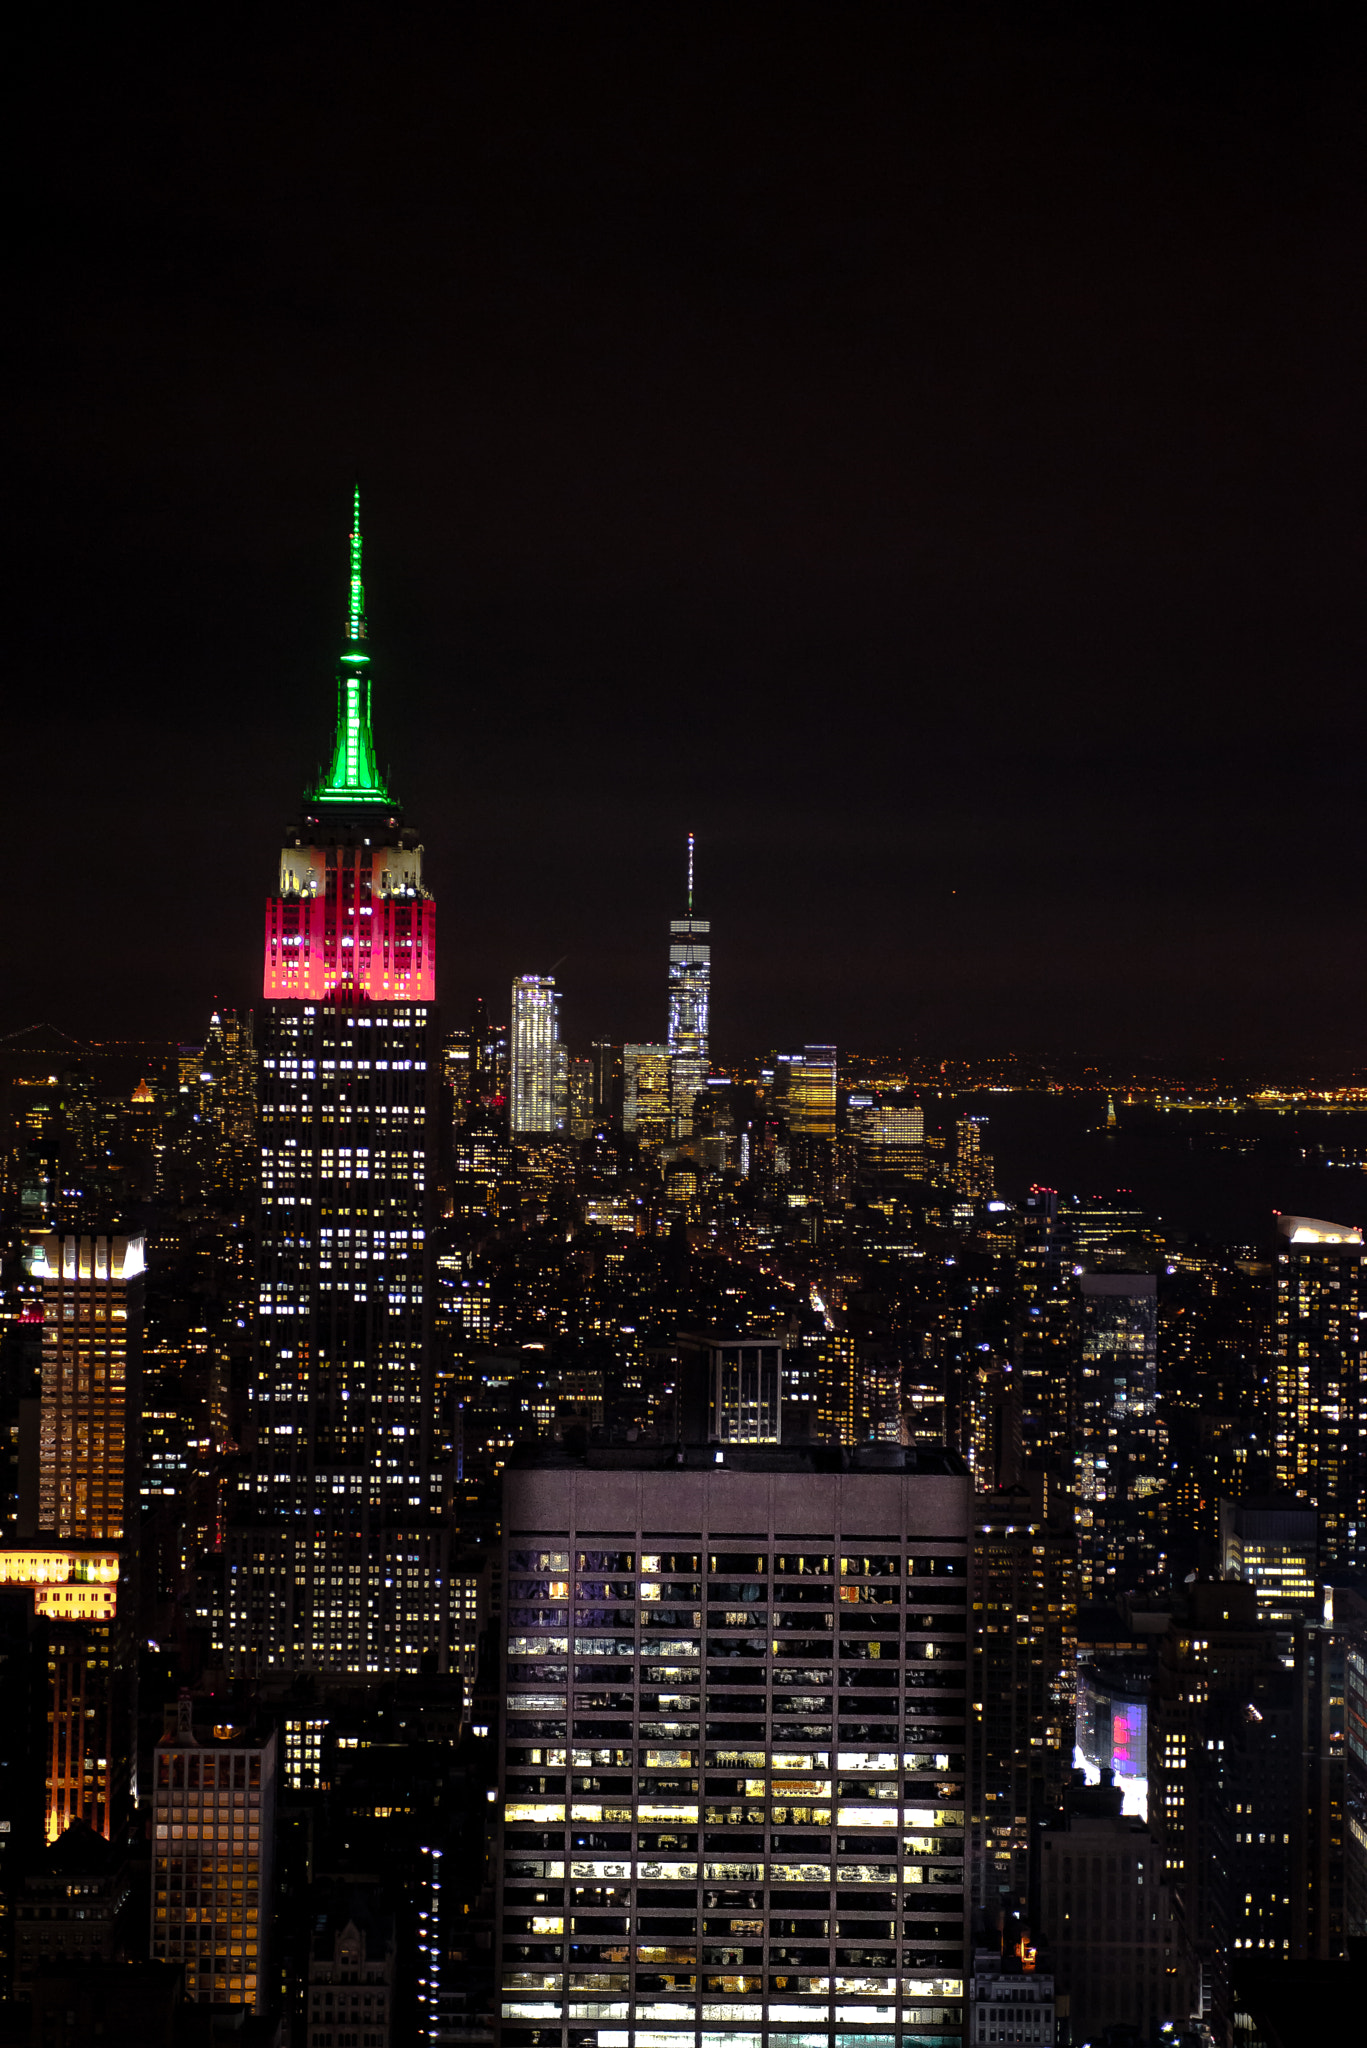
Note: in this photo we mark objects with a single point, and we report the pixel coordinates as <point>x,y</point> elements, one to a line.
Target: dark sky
<point>920,450</point>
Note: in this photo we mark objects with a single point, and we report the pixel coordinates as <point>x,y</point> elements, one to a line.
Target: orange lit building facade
<point>92,1333</point>
<point>89,1736</point>
<point>213,1819</point>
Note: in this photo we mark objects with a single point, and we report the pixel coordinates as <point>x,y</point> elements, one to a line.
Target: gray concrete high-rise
<point>733,1762</point>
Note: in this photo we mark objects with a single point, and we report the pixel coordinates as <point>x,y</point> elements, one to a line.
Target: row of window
<point>747,1563</point>
<point>658,1597</point>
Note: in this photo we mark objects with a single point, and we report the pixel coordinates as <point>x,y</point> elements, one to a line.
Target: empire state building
<point>336,1553</point>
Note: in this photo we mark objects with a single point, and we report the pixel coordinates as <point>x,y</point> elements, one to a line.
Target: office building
<point>1320,1422</point>
<point>991,1436</point>
<point>533,1055</point>
<point>583,1120</point>
<point>857,1385</point>
<point>1044,1336</point>
<point>224,1093</point>
<point>1009,2003</point>
<point>90,1658</point>
<point>891,1137</point>
<point>1273,1545</point>
<point>347,1117</point>
<point>1215,1458</point>
<point>893,1125</point>
<point>606,1087</point>
<point>1118,1440</point>
<point>690,987</point>
<point>972,1165</point>
<point>351,1979</point>
<point>87,1424</point>
<point>76,1907</point>
<point>303,1762</point>
<point>890,1148</point>
<point>485,1100</point>
<point>747,1392</point>
<point>811,1078</point>
<point>1109,1919</point>
<point>213,1833</point>
<point>1100,1234</point>
<point>1023,1680</point>
<point>483,1174</point>
<point>647,1092</point>
<point>379,1597</point>
<point>1246,1783</point>
<point>734,1747</point>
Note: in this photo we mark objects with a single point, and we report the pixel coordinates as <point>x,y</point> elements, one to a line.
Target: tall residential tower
<point>533,1054</point>
<point>1320,1442</point>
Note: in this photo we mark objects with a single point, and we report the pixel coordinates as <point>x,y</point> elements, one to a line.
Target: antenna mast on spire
<point>690,874</point>
<point>356,602</point>
<point>354,776</point>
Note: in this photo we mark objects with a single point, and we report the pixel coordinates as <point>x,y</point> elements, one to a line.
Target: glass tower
<point>690,987</point>
<point>535,1045</point>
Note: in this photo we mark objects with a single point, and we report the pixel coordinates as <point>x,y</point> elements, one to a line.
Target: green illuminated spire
<point>354,777</point>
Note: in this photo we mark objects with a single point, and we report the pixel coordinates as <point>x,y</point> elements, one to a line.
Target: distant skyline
<point>923,456</point>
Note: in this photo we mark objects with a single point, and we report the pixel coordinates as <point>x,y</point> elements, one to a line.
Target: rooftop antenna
<point>356,596</point>
<point>690,874</point>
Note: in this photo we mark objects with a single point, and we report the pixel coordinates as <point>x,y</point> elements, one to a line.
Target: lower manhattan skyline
<point>683,1097</point>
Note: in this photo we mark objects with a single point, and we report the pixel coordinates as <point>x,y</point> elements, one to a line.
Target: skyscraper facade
<point>1024,1679</point>
<point>1118,1438</point>
<point>92,1329</point>
<point>972,1166</point>
<point>734,1747</point>
<point>90,1654</point>
<point>812,1082</point>
<point>1044,1338</point>
<point>690,990</point>
<point>647,1091</point>
<point>213,1807</point>
<point>1320,1435</point>
<point>747,1391</point>
<point>534,1054</point>
<point>893,1126</point>
<point>347,1129</point>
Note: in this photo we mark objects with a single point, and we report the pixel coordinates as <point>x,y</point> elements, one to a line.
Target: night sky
<point>922,451</point>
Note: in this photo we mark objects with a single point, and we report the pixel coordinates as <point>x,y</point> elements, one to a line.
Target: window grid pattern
<point>734,1789</point>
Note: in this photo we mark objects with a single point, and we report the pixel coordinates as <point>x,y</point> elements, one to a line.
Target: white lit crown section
<point>398,870</point>
<point>395,870</point>
<point>303,870</point>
